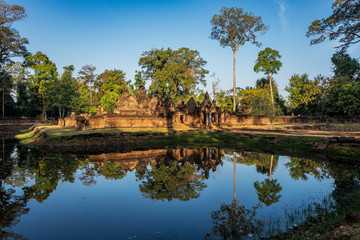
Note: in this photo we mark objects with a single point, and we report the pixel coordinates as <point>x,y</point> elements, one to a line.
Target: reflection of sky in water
<point>117,209</point>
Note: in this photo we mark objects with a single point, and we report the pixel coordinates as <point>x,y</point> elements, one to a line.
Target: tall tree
<point>173,73</point>
<point>64,90</point>
<point>6,83</point>
<point>88,76</point>
<point>343,23</point>
<point>111,86</point>
<point>11,43</point>
<point>234,27</point>
<point>45,74</point>
<point>269,63</point>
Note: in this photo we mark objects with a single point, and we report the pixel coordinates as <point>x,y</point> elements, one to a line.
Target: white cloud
<point>282,12</point>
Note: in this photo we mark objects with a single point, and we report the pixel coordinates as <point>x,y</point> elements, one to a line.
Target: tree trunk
<point>234,176</point>
<point>3,101</point>
<point>2,182</point>
<point>59,109</point>
<point>90,95</point>
<point>271,163</point>
<point>214,90</point>
<point>271,89</point>
<point>234,80</point>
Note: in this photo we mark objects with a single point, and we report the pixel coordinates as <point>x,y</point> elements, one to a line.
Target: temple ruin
<point>140,111</point>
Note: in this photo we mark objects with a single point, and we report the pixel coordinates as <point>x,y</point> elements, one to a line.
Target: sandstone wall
<point>233,120</point>
<point>182,120</point>
<point>68,122</point>
<point>121,121</point>
<point>26,121</point>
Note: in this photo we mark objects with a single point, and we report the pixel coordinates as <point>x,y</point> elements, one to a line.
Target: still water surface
<point>206,193</point>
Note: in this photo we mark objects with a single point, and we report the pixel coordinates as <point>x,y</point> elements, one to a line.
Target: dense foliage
<point>173,73</point>
<point>336,95</point>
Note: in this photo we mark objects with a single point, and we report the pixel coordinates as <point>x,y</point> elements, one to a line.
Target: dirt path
<point>305,133</point>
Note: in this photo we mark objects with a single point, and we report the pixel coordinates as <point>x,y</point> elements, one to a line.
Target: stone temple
<point>140,111</point>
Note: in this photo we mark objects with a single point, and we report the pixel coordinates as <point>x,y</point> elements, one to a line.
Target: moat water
<point>180,193</point>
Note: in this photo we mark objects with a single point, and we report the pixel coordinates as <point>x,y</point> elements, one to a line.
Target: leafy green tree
<point>20,88</point>
<point>173,73</point>
<point>343,23</point>
<point>87,76</point>
<point>269,63</point>
<point>45,74</point>
<point>280,103</point>
<point>349,99</point>
<point>111,84</point>
<point>64,91</point>
<point>11,43</point>
<point>81,101</point>
<point>139,81</point>
<point>345,66</point>
<point>6,83</point>
<point>303,94</point>
<point>233,27</point>
<point>225,99</point>
<point>258,99</point>
<point>346,72</point>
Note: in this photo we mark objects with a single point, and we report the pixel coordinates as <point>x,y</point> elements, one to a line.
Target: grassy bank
<point>337,224</point>
<point>69,138</point>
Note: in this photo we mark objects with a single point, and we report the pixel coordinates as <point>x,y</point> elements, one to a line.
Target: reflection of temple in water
<point>205,159</point>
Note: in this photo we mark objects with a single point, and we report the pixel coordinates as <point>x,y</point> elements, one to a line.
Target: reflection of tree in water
<point>234,221</point>
<point>178,181</point>
<point>88,173</point>
<point>300,167</point>
<point>268,190</point>
<point>112,170</point>
<point>346,181</point>
<point>48,170</point>
<point>12,207</point>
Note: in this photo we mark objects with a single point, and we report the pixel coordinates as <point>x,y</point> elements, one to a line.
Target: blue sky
<point>113,34</point>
